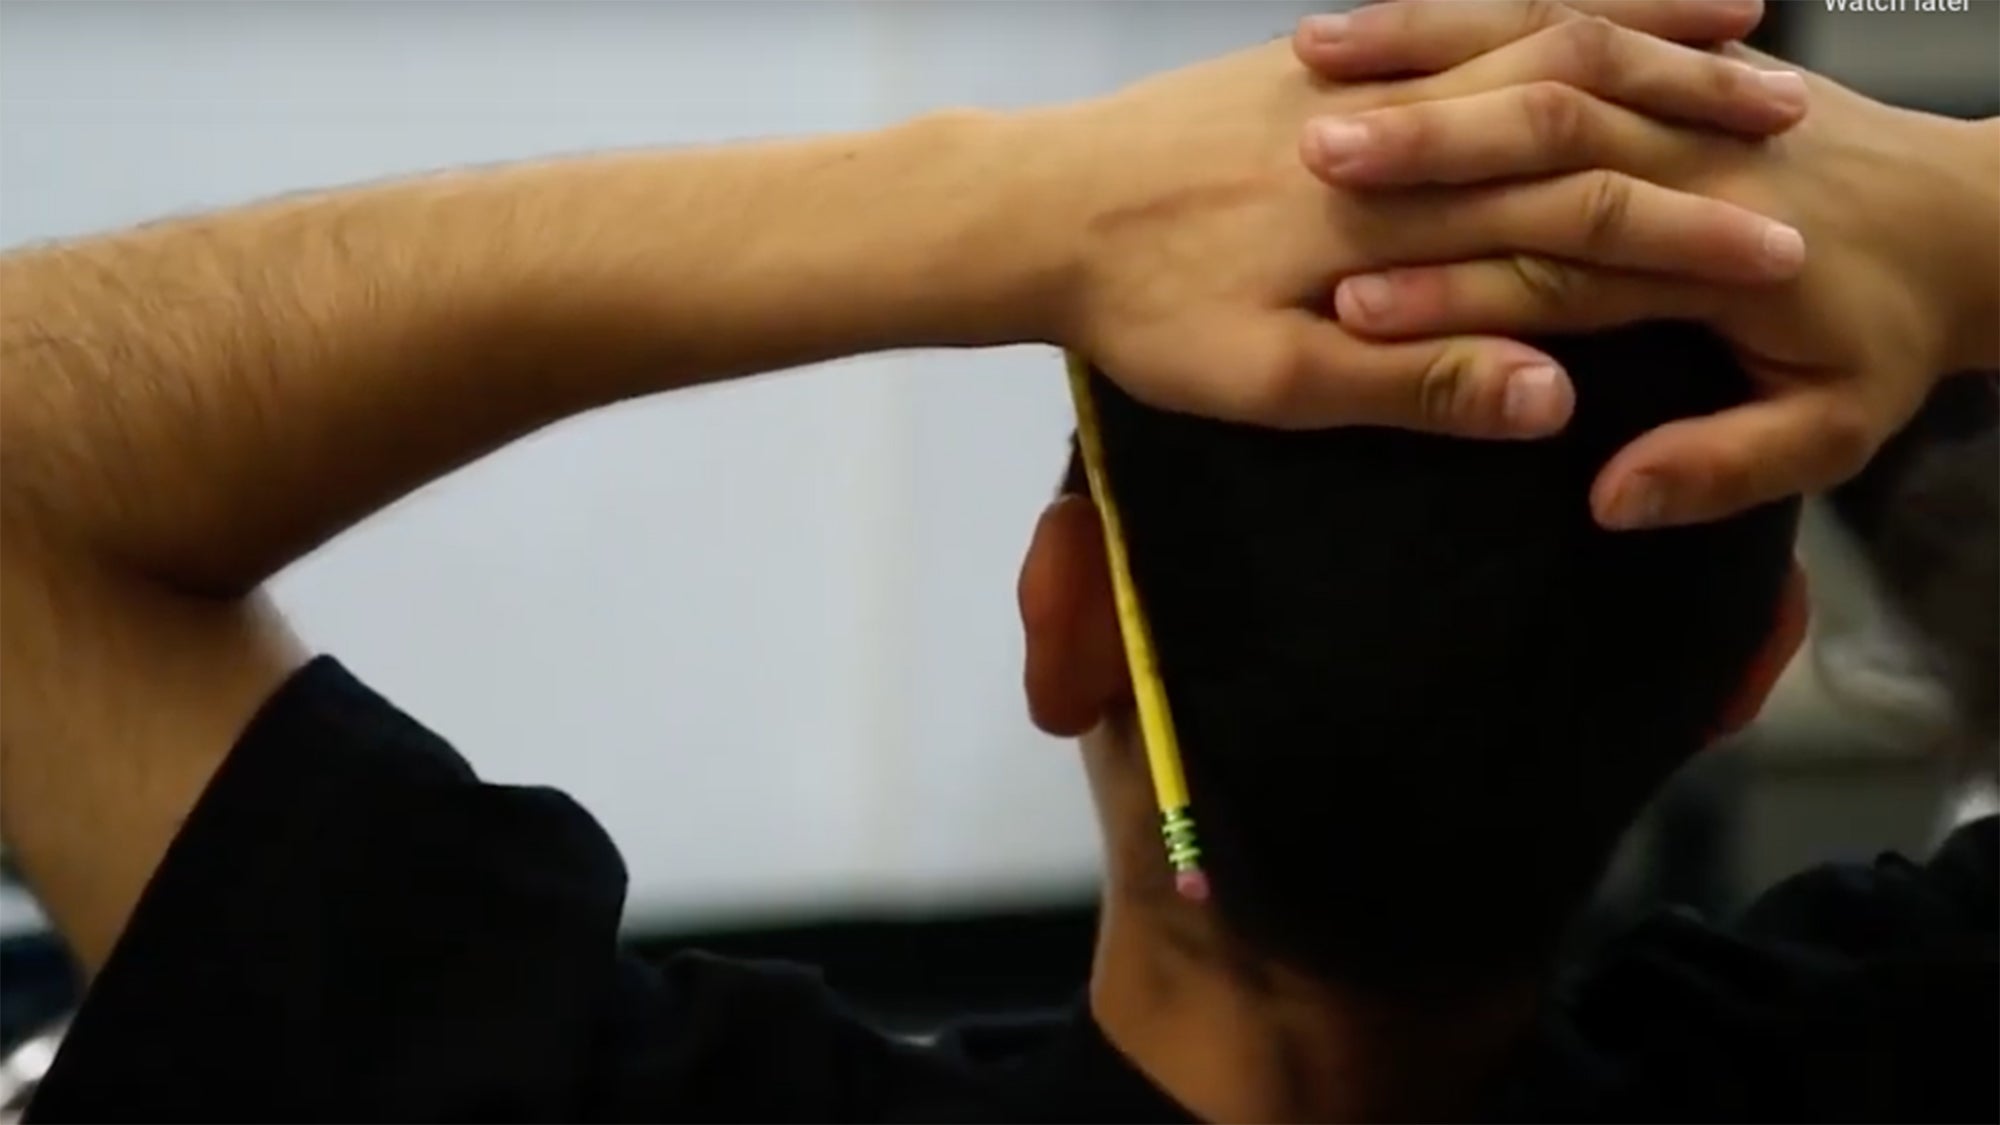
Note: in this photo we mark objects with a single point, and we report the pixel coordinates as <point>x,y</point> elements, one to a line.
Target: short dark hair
<point>1420,693</point>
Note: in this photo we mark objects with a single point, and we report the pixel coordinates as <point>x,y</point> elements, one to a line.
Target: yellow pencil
<point>1156,724</point>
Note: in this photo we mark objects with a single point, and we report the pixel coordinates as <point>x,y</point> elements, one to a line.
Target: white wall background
<point>765,632</point>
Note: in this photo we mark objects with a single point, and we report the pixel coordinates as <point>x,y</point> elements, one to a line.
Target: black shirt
<point>351,926</point>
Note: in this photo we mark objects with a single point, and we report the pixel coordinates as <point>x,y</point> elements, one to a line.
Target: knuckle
<point>1730,481</point>
<point>1540,15</point>
<point>1444,388</point>
<point>1588,47</point>
<point>1726,80</point>
<point>1607,206</point>
<point>1557,116</point>
<point>1548,284</point>
<point>1406,132</point>
<point>1275,392</point>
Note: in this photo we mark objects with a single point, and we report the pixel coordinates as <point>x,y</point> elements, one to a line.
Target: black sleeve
<point>1892,907</point>
<point>1851,992</point>
<point>351,926</point>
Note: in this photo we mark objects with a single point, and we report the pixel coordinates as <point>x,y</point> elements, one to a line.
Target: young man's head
<point>1419,693</point>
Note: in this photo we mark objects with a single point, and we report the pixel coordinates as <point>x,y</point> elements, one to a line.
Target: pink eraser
<point>1192,885</point>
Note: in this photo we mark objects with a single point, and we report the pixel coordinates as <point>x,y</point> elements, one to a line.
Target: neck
<point>1236,1039</point>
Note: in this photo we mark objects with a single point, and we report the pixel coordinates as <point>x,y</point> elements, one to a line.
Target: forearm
<point>204,401</point>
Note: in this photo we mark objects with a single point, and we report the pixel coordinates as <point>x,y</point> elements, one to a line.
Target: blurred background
<point>766,633</point>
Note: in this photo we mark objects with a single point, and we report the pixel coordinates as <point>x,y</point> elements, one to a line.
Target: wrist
<point>946,230</point>
<point>748,258</point>
<point>1015,270</point>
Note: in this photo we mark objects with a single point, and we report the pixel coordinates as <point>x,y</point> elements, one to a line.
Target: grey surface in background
<point>1943,60</point>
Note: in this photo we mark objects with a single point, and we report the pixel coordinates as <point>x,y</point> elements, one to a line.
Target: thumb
<point>1696,469</point>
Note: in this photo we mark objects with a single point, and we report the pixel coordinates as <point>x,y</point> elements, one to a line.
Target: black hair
<point>1420,693</point>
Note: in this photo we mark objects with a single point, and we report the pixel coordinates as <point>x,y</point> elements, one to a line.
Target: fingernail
<point>1641,504</point>
<point>1372,294</point>
<point>1337,142</point>
<point>1536,401</point>
<point>1785,87</point>
<point>1326,28</point>
<point>1784,248</point>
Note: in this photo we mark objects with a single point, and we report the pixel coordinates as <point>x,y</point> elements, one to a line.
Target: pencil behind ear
<point>1149,694</point>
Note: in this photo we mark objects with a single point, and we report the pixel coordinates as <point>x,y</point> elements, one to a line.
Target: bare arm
<point>187,408</point>
<point>202,402</point>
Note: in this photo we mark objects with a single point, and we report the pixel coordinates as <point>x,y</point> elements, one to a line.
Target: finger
<point>1701,469</point>
<point>1694,21</point>
<point>1387,40</point>
<point>1641,72</point>
<point>1304,372</point>
<point>1520,294</point>
<point>1604,219</point>
<point>1512,133</point>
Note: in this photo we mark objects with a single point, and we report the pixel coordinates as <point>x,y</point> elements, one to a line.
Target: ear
<point>1780,645</point>
<point>1075,666</point>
